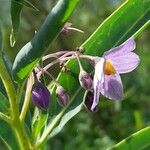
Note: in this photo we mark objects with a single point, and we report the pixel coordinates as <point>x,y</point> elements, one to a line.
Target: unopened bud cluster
<point>41,96</point>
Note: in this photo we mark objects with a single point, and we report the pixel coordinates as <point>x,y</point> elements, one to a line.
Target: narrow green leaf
<point>138,140</point>
<point>119,26</point>
<point>38,123</point>
<point>8,139</point>
<point>30,5</point>
<point>26,3</point>
<point>16,7</point>
<point>2,88</point>
<point>5,143</point>
<point>147,24</point>
<point>31,53</point>
<point>65,118</point>
<point>9,69</point>
<point>4,105</point>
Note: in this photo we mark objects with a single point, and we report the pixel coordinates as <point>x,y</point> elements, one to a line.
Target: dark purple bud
<point>85,80</point>
<point>40,96</point>
<point>62,96</point>
<point>89,101</point>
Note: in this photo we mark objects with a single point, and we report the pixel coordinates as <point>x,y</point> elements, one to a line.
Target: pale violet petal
<point>96,96</point>
<point>112,87</point>
<point>125,63</point>
<point>99,70</point>
<point>122,57</point>
<point>126,47</point>
<point>98,81</point>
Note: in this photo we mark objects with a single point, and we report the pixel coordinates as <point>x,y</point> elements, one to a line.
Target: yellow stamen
<point>109,68</point>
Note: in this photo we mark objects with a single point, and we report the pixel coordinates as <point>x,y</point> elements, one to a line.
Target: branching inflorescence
<point>106,79</point>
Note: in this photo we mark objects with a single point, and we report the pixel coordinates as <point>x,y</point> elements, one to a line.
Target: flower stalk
<point>64,58</point>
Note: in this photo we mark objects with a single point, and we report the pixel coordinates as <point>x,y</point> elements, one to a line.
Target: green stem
<point>21,135</point>
<point>14,107</point>
<point>9,88</point>
<point>27,98</point>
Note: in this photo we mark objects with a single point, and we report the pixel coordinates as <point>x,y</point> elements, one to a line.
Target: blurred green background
<point>115,120</point>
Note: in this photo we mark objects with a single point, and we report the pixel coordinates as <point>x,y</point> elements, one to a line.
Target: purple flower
<point>40,96</point>
<point>116,61</point>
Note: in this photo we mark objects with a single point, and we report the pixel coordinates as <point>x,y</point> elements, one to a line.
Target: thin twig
<point>44,71</point>
<point>77,55</point>
<point>57,54</point>
<point>63,59</point>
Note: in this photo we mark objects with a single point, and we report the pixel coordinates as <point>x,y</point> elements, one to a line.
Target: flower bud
<point>85,80</point>
<point>62,96</point>
<point>40,96</point>
<point>89,101</point>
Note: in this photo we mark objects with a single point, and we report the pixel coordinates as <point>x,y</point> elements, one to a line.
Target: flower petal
<point>99,70</point>
<point>126,47</point>
<point>96,96</point>
<point>98,81</point>
<point>122,57</point>
<point>125,63</point>
<point>112,87</point>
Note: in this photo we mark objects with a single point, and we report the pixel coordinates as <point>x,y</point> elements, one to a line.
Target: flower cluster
<point>106,79</point>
